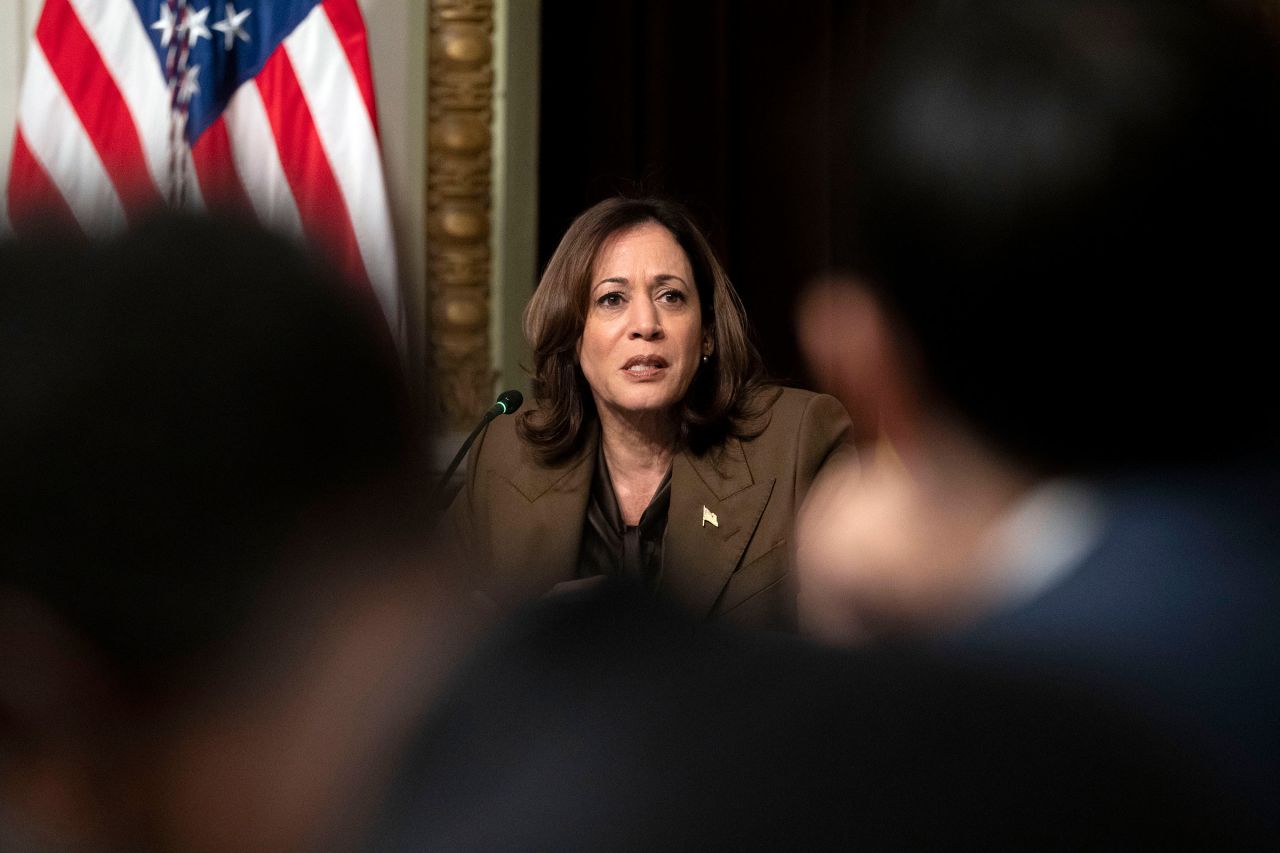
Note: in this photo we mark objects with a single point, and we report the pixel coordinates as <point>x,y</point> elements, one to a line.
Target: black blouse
<point>610,547</point>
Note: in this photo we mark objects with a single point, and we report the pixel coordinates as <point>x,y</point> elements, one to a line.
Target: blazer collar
<point>546,507</point>
<point>534,479</point>
<point>716,505</point>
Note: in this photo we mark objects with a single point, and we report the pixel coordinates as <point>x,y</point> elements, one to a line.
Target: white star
<point>193,26</point>
<point>165,25</point>
<point>230,28</point>
<point>190,84</point>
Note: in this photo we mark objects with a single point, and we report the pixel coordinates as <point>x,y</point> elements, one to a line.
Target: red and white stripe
<point>298,145</point>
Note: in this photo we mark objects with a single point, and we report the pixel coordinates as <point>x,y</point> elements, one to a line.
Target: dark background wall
<point>738,108</point>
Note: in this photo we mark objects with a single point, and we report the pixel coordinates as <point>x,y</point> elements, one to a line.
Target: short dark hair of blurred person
<point>1066,214</point>
<point>205,445</point>
<point>654,451</point>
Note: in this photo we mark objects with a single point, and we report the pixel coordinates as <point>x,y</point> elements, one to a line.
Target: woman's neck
<point>637,443</point>
<point>638,450</point>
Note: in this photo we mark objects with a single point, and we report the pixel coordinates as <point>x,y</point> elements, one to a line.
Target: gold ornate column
<point>459,117</point>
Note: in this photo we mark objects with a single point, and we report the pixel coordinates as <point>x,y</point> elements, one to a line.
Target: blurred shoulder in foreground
<point>597,721</point>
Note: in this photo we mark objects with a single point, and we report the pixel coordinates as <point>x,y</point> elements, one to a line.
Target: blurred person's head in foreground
<point>1065,220</point>
<point>206,449</point>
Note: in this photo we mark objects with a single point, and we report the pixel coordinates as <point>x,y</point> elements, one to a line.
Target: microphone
<point>506,404</point>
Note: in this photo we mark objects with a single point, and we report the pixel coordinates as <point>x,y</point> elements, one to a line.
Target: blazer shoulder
<point>502,454</point>
<point>793,415</point>
<point>500,445</point>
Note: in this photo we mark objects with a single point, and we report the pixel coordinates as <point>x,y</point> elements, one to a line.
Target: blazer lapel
<point>541,511</point>
<point>715,507</point>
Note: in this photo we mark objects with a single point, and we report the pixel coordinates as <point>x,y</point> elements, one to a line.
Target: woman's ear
<point>708,343</point>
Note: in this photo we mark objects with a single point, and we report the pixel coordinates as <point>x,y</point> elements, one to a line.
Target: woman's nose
<point>645,322</point>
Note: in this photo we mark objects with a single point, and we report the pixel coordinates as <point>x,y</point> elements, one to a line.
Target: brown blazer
<point>520,522</point>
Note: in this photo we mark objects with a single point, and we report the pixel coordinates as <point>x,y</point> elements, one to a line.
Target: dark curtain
<point>741,110</point>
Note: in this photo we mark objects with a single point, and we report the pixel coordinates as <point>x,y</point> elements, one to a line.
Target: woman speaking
<point>655,452</point>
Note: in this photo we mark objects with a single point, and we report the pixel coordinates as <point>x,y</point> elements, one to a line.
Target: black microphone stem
<point>462,451</point>
<point>508,402</point>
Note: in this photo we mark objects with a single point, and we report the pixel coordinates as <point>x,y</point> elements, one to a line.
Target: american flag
<point>262,105</point>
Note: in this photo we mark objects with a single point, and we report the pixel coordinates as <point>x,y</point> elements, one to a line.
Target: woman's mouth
<point>644,366</point>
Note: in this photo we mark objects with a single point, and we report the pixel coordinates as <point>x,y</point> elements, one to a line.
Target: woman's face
<point>643,339</point>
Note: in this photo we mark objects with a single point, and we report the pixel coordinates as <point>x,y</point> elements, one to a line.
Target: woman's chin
<point>640,405</point>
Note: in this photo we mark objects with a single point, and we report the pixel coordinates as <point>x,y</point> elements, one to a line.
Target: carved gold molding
<point>459,164</point>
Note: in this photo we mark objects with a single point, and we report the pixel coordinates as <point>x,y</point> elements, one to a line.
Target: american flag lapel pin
<point>709,516</point>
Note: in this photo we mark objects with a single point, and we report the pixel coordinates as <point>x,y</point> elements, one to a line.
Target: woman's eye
<point>610,300</point>
<point>671,296</point>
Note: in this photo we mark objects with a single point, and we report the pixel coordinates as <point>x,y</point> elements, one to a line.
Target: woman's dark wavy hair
<point>719,402</point>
